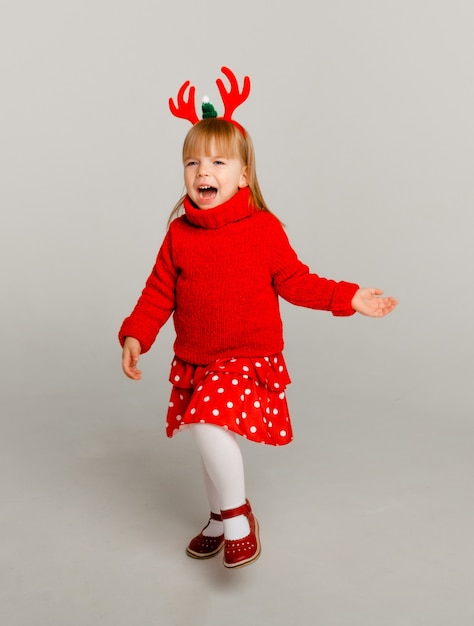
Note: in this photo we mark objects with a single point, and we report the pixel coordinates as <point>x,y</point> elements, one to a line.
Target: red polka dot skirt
<point>244,395</point>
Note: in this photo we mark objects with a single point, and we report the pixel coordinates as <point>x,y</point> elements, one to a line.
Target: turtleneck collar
<point>235,209</point>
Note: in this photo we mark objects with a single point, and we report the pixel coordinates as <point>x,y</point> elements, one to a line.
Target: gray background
<point>362,118</point>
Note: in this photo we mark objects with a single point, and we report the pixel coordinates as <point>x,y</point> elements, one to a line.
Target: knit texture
<point>220,273</point>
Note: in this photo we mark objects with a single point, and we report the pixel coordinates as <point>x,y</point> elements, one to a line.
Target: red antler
<point>185,109</point>
<point>232,98</point>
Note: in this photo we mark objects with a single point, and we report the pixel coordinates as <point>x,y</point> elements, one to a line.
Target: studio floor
<point>366,519</point>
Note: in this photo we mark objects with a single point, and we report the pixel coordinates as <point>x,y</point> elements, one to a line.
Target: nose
<point>202,171</point>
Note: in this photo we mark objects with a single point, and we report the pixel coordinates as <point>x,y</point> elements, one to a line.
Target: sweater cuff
<point>128,331</point>
<point>341,304</point>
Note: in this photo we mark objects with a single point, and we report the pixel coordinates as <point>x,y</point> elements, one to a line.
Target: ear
<point>243,182</point>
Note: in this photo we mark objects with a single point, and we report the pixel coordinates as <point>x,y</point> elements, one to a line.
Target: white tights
<point>224,476</point>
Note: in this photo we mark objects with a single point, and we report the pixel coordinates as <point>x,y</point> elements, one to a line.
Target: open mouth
<point>207,193</point>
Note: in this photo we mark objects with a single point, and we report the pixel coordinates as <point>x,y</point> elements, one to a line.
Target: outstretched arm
<point>368,301</point>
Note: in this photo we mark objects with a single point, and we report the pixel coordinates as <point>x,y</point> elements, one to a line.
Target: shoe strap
<point>216,516</point>
<point>244,509</point>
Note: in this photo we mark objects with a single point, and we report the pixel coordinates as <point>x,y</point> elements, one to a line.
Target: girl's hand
<point>368,302</point>
<point>130,355</point>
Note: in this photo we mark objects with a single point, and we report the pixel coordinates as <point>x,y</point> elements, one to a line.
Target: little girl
<point>220,271</point>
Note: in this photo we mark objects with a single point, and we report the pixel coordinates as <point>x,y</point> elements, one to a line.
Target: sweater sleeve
<point>156,302</point>
<point>294,281</point>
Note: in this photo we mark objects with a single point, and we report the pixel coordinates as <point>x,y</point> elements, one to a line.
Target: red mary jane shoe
<point>243,551</point>
<point>202,547</point>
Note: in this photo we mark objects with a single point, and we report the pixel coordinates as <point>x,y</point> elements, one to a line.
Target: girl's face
<point>212,179</point>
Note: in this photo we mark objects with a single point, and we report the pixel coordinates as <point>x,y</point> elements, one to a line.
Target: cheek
<point>187,178</point>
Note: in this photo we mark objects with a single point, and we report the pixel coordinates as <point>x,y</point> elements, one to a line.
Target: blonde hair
<point>229,141</point>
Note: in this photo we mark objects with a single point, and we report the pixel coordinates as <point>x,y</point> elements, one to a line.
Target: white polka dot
<point>233,360</point>
<point>258,364</point>
<point>193,411</point>
<point>171,404</point>
<point>248,392</point>
<point>215,377</point>
<point>237,421</point>
<point>176,378</point>
<point>244,415</point>
<point>275,411</point>
<point>282,433</point>
<point>199,388</point>
<point>253,429</point>
<point>215,412</point>
<point>181,397</point>
<point>266,359</point>
<point>235,381</point>
<point>179,418</point>
<point>202,421</point>
<point>242,397</point>
<point>230,405</point>
<point>280,368</point>
<point>277,385</point>
<point>192,381</point>
<point>220,390</point>
<point>246,368</point>
<point>270,424</point>
<point>267,410</point>
<point>207,398</point>
<point>281,395</point>
<point>275,359</point>
<point>256,404</point>
<point>174,363</point>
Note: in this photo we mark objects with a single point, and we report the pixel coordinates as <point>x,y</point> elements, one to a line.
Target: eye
<point>190,163</point>
<point>219,162</point>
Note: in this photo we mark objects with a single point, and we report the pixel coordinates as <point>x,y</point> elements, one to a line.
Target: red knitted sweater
<point>220,272</point>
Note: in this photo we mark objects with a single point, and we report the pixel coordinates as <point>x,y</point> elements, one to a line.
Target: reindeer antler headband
<point>232,98</point>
